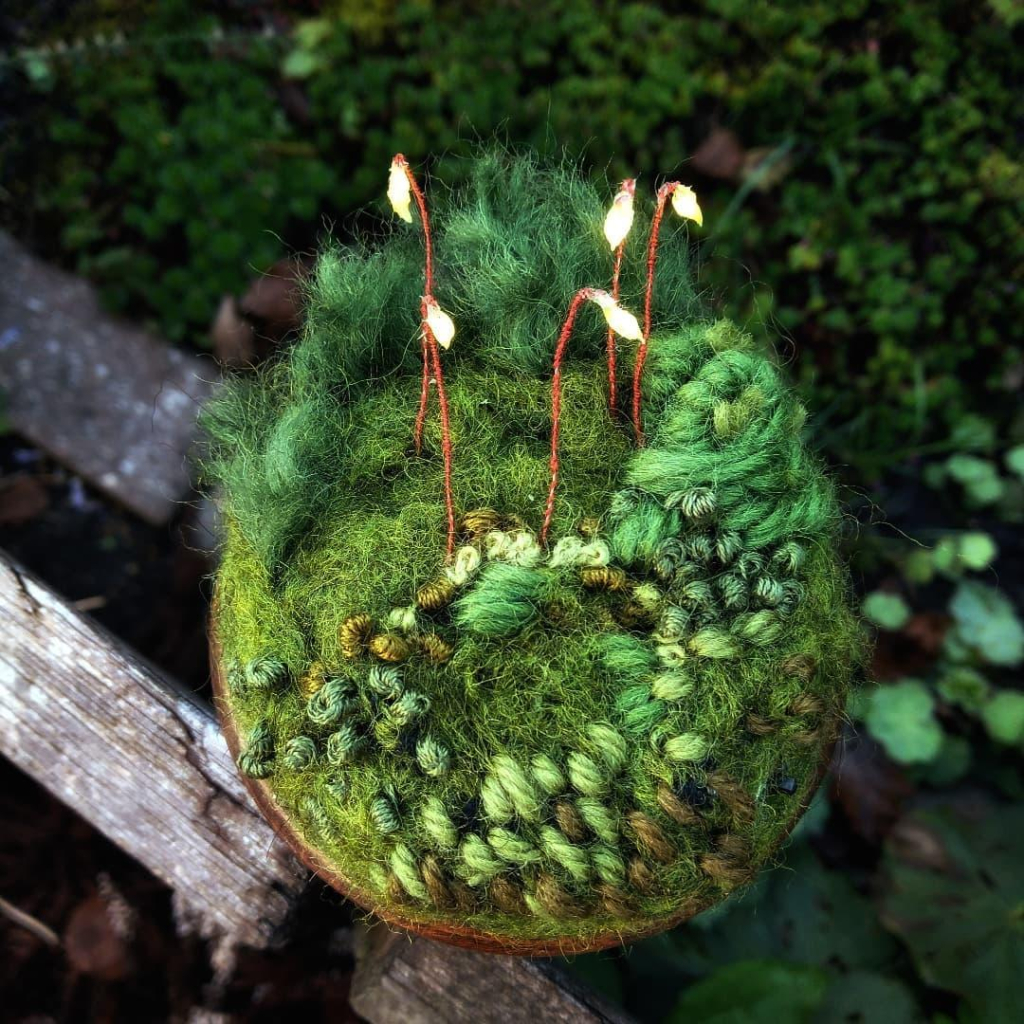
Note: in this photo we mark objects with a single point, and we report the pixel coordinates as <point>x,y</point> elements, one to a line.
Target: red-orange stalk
<point>556,404</point>
<point>612,382</point>
<point>664,193</point>
<point>431,357</point>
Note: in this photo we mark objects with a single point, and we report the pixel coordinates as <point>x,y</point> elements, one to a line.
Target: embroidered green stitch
<point>538,742</point>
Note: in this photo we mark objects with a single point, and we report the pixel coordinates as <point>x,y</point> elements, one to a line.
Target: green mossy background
<point>870,218</point>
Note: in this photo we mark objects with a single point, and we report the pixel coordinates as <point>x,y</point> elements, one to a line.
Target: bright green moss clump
<point>539,744</point>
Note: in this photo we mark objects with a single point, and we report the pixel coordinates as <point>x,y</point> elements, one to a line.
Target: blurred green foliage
<point>875,217</point>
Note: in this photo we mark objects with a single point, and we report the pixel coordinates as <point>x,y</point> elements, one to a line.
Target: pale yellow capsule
<point>399,192</point>
<point>440,323</point>
<point>619,218</point>
<point>684,202</point>
<point>620,320</point>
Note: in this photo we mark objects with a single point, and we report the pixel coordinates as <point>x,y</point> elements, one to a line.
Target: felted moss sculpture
<point>531,692</point>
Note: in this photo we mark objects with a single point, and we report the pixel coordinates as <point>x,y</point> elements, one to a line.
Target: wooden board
<point>109,401</point>
<point>141,761</point>
<point>415,981</point>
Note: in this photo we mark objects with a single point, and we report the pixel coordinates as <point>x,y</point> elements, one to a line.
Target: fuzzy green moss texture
<point>536,743</point>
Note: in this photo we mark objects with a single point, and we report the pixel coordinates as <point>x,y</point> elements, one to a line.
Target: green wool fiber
<point>538,738</point>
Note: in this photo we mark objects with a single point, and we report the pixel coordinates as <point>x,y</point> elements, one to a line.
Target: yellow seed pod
<point>684,202</point>
<point>399,190</point>
<point>620,320</point>
<point>619,218</point>
<point>440,323</point>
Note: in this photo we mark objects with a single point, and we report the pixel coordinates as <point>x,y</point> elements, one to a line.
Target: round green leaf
<point>753,990</point>
<point>888,611</point>
<point>900,718</point>
<point>987,624</point>
<point>964,687</point>
<point>1003,716</point>
<point>1015,460</point>
<point>977,550</point>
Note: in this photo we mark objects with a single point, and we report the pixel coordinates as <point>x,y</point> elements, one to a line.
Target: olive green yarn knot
<point>299,753</point>
<point>256,758</point>
<point>264,673</point>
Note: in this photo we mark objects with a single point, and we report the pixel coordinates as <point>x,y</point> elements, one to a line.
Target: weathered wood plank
<point>140,760</point>
<point>401,980</point>
<point>106,399</point>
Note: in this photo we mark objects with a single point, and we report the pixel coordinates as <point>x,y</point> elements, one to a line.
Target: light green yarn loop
<point>686,747</point>
<point>517,785</point>
<point>479,863</point>
<point>438,824</point>
<point>512,848</point>
<point>548,775</point>
<point>608,865</point>
<point>587,775</point>
<point>567,855</point>
<point>405,866</point>
<point>601,818</point>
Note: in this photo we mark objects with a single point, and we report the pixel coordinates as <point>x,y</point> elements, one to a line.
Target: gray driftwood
<point>415,981</point>
<point>140,760</point>
<point>108,400</point>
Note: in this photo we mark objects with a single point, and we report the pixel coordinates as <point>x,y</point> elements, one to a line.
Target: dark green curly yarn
<point>537,744</point>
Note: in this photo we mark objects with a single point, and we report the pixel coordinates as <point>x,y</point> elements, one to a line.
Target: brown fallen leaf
<point>273,303</point>
<point>22,498</point>
<point>96,942</point>
<point>870,789</point>
<point>720,155</point>
<point>234,343</point>
<point>928,631</point>
<point>919,846</point>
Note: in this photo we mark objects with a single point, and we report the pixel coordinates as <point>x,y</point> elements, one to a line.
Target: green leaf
<point>977,550</point>
<point>973,433</point>
<point>951,764</point>
<point>888,611</point>
<point>986,491</point>
<point>900,718</point>
<point>987,624</point>
<point>790,914</point>
<point>946,557</point>
<point>1003,716</point>
<point>967,469</point>
<point>977,476</point>
<point>868,997</point>
<point>962,913</point>
<point>302,64</point>
<point>918,566</point>
<point>964,687</point>
<point>1014,459</point>
<point>753,992</point>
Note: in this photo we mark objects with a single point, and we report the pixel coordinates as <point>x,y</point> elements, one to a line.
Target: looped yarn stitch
<point>537,738</point>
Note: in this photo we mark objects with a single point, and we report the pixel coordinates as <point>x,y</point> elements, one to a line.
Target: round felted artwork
<point>529,627</point>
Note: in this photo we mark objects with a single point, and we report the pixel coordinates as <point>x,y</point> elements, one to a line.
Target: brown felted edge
<point>453,933</point>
